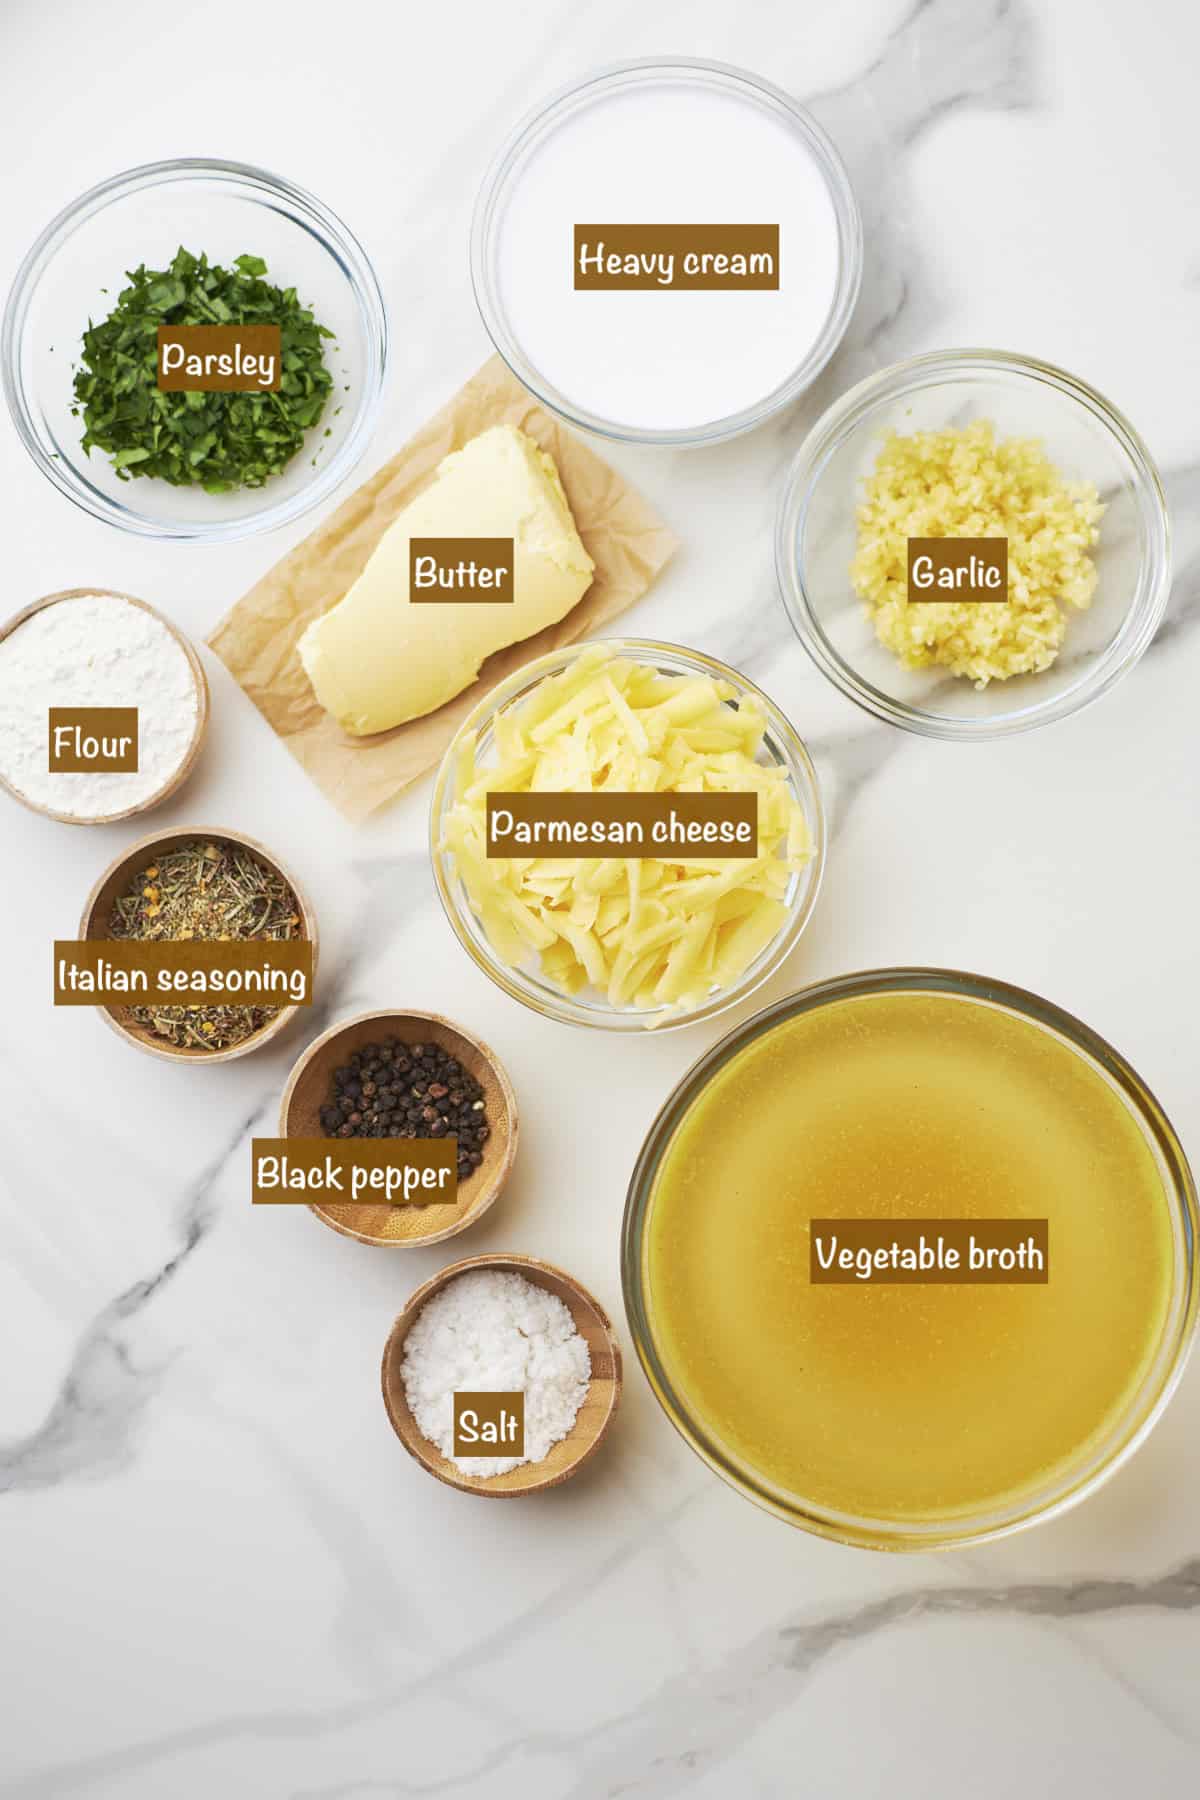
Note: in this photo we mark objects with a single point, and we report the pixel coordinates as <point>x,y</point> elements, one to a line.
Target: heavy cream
<point>613,269</point>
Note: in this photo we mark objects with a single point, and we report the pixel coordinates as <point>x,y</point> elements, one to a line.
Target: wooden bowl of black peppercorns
<point>391,1074</point>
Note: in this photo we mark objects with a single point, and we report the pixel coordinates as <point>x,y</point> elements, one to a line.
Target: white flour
<point>96,650</point>
<point>491,1331</point>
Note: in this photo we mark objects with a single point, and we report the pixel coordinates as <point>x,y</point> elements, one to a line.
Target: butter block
<point>377,659</point>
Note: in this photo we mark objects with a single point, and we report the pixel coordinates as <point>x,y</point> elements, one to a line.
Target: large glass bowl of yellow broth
<point>909,1259</point>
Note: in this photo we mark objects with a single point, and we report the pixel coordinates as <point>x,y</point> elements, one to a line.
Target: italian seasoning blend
<point>213,891</point>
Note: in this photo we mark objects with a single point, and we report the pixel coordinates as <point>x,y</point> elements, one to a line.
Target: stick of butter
<point>376,659</point>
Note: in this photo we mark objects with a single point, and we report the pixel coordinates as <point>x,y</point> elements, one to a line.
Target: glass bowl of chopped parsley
<point>189,243</point>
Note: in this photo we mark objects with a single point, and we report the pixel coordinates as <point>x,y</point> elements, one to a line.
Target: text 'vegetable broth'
<point>922,1401</point>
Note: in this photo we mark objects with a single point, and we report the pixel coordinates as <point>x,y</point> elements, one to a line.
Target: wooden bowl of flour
<point>174,778</point>
<point>592,1421</point>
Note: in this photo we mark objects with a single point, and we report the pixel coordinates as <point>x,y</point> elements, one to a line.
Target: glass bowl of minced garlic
<point>972,543</point>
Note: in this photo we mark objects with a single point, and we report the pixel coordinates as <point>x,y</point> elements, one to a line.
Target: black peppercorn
<point>395,1089</point>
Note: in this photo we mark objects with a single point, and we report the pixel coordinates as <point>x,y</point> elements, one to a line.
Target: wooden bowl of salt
<point>592,1421</point>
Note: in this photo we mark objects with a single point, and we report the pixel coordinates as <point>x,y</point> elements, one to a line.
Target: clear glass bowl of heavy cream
<point>615,943</point>
<point>667,141</point>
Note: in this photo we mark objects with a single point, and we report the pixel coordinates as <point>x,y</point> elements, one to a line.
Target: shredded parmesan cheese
<point>656,935</point>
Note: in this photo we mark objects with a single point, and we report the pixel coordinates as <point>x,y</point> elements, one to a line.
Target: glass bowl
<point>781,747</point>
<point>74,273</point>
<point>1145,1402</point>
<point>627,198</point>
<point>1084,436</point>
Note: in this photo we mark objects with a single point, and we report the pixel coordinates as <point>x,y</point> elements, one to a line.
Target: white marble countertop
<point>220,1573</point>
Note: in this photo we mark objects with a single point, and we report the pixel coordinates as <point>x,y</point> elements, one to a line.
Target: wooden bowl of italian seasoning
<point>199,884</point>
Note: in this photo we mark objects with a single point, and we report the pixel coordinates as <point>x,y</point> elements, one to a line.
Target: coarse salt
<point>491,1331</point>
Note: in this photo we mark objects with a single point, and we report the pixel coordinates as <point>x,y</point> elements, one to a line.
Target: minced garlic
<point>967,482</point>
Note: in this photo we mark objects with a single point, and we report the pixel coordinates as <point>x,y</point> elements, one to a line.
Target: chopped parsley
<point>216,441</point>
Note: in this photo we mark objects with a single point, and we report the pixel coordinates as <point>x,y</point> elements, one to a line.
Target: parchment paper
<point>257,640</point>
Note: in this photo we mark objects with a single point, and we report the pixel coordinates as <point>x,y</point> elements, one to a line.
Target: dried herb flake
<point>208,891</point>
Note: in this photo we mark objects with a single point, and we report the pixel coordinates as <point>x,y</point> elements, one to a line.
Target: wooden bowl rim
<point>203,706</point>
<point>442,1469</point>
<point>308,918</point>
<point>508,1094</point>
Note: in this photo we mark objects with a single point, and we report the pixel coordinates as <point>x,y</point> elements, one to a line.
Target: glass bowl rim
<point>334,235</point>
<point>802,777</point>
<point>543,117</point>
<point>1143,1410</point>
<point>847,415</point>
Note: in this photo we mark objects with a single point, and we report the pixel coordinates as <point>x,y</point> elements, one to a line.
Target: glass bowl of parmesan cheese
<point>570,834</point>
<point>973,543</point>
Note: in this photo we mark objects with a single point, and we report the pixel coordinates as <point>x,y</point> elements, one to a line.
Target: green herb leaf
<point>215,441</point>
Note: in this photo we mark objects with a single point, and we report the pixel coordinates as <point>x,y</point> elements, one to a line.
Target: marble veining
<point>221,1575</point>
<point>704,1717</point>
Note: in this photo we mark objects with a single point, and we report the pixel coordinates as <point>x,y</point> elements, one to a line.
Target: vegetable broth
<point>912,1402</point>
